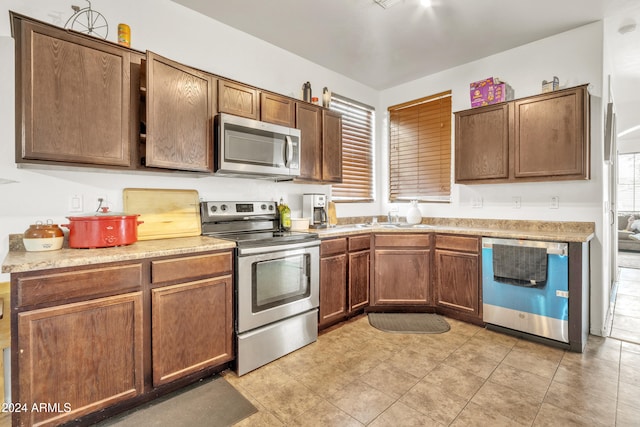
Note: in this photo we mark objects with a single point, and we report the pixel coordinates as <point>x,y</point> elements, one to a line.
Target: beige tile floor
<point>626,314</point>
<point>356,375</point>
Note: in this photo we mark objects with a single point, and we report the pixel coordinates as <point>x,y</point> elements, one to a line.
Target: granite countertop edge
<point>547,235</point>
<point>19,260</point>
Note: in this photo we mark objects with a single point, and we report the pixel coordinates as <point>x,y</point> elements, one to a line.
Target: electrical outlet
<point>75,203</point>
<point>555,202</point>
<point>517,202</point>
<point>476,202</point>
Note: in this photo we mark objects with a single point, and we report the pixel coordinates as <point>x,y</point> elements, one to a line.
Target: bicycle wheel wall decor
<point>88,21</point>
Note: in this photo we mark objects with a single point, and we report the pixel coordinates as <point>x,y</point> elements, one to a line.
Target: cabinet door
<point>331,146</point>
<point>551,136</point>
<point>180,105</point>
<point>277,109</point>
<point>482,144</point>
<point>359,280</point>
<point>457,281</point>
<point>192,327</point>
<point>333,288</point>
<point>401,277</point>
<point>237,99</point>
<point>73,98</point>
<point>309,121</point>
<point>88,355</point>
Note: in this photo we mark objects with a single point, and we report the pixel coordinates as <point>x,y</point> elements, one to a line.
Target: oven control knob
<point>223,208</point>
<point>270,207</point>
<point>214,209</point>
<point>263,206</point>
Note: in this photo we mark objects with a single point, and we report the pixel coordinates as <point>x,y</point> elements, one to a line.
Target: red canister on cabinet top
<point>103,229</point>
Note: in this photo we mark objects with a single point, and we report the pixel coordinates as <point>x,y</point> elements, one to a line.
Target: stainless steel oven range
<point>276,280</point>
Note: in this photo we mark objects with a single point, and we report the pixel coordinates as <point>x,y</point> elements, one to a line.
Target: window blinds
<point>420,149</point>
<point>358,124</point>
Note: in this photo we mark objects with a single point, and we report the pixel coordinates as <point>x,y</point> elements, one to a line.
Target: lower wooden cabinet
<point>402,270</point>
<point>87,338</point>
<point>80,357</point>
<point>344,277</point>
<point>192,327</point>
<point>333,281</point>
<point>457,284</point>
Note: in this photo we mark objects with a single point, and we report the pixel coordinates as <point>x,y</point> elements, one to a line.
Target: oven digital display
<point>244,207</point>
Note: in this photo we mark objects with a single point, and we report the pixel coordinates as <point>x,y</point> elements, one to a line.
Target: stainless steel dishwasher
<point>525,286</point>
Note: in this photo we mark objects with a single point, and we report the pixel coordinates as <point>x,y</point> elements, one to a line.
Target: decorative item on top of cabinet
<point>277,109</point>
<point>80,114</point>
<point>457,273</point>
<point>402,270</point>
<point>539,138</point>
<point>238,99</point>
<point>180,104</point>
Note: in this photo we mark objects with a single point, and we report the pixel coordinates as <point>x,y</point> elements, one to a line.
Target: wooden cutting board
<point>166,213</point>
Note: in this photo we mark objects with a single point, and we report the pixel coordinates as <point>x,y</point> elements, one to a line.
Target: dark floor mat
<point>212,402</point>
<point>409,323</point>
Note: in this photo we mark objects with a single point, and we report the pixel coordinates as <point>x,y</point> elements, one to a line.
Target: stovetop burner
<point>248,224</point>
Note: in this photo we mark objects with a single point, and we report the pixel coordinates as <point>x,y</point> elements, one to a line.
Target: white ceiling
<point>382,48</point>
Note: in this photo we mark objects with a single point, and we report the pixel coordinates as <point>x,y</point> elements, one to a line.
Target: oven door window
<point>280,281</point>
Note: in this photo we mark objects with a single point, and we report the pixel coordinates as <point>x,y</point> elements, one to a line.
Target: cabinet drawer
<point>404,240</point>
<point>457,243</point>
<point>333,246</point>
<point>88,283</point>
<point>359,243</point>
<point>180,269</point>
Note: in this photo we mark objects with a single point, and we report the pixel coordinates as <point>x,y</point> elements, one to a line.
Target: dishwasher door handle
<point>553,248</point>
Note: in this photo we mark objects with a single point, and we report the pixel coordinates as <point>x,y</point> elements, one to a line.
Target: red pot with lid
<point>102,229</point>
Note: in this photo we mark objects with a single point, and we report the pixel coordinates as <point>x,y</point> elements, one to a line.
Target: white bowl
<point>299,224</point>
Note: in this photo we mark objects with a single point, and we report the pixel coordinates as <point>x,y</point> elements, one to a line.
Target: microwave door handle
<point>288,150</point>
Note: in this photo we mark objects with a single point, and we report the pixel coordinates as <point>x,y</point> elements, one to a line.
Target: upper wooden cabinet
<point>238,99</point>
<point>309,121</point>
<point>551,135</point>
<point>277,109</point>
<point>482,143</point>
<point>321,147</point>
<point>72,97</point>
<point>539,138</point>
<point>331,146</point>
<point>180,104</point>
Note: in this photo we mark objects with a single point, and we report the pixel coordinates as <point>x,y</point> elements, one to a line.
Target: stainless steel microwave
<point>251,148</point>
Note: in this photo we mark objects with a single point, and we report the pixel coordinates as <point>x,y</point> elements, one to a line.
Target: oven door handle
<point>277,248</point>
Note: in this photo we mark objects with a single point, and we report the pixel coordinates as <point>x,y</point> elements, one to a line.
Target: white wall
<point>576,57</point>
<point>177,33</point>
<point>191,38</point>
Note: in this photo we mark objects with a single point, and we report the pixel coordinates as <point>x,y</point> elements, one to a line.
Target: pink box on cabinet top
<point>489,91</point>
